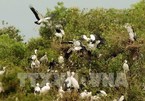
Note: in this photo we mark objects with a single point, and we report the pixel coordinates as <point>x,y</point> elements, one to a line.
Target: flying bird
<point>40,18</point>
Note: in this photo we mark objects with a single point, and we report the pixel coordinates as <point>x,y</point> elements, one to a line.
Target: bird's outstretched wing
<point>36,13</point>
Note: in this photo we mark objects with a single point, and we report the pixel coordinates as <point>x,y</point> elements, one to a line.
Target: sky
<point>18,14</point>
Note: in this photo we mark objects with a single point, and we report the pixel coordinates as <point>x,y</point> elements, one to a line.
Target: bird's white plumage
<point>92,37</point>
<point>35,63</point>
<point>121,98</point>
<point>93,46</point>
<point>40,18</point>
<point>68,81</point>
<point>74,82</point>
<point>95,98</point>
<point>83,94</point>
<point>76,43</point>
<point>45,88</point>
<point>130,31</point>
<point>37,89</point>
<point>125,66</point>
<point>35,51</point>
<point>33,57</point>
<point>60,59</point>
<point>1,88</point>
<point>85,38</point>
<point>61,92</point>
<point>44,58</point>
<point>59,34</point>
<point>2,71</point>
<point>103,93</point>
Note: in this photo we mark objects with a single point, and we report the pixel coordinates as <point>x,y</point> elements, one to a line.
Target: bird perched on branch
<point>59,32</point>
<point>44,59</point>
<point>130,30</point>
<point>125,66</point>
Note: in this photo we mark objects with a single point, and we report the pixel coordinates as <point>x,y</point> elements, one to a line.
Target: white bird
<point>45,89</point>
<point>83,95</point>
<point>121,98</point>
<point>44,59</point>
<point>35,63</point>
<point>35,51</point>
<point>1,88</point>
<point>2,71</point>
<point>115,100</point>
<point>61,92</point>
<point>59,32</point>
<point>103,93</point>
<point>89,94</point>
<point>95,98</point>
<point>85,38</point>
<point>74,82</point>
<point>40,18</point>
<point>68,81</point>
<point>125,66</point>
<point>91,38</point>
<point>132,34</point>
<point>33,57</point>
<point>92,46</point>
<point>37,89</point>
<point>76,46</point>
<point>61,61</point>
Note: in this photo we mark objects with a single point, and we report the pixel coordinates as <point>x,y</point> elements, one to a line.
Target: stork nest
<point>133,46</point>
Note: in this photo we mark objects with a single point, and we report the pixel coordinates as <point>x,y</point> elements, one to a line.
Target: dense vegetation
<point>108,23</point>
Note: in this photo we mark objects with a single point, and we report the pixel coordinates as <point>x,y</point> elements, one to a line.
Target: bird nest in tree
<point>133,47</point>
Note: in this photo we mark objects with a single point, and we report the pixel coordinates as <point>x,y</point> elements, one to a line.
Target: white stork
<point>37,89</point>
<point>125,66</point>
<point>121,98</point>
<point>59,32</point>
<point>44,59</point>
<point>40,18</point>
<point>2,71</point>
<point>45,89</point>
<point>74,82</point>
<point>132,34</point>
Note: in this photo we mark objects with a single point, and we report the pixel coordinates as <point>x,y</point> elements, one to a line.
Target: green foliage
<point>12,32</point>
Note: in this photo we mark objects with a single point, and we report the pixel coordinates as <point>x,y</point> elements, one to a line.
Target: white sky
<point>18,14</point>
